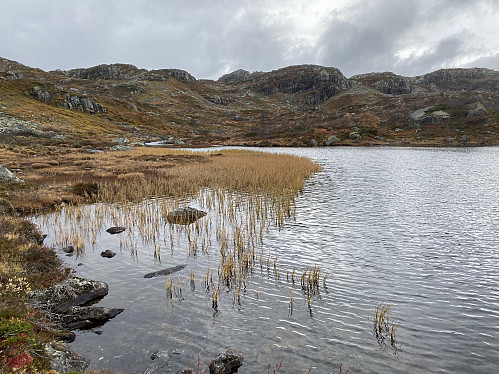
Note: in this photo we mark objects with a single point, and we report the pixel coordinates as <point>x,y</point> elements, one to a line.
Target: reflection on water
<point>413,228</point>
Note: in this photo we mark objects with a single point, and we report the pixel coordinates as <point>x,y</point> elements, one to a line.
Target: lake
<point>415,228</point>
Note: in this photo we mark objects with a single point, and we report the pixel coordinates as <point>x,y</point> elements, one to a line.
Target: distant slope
<point>297,105</point>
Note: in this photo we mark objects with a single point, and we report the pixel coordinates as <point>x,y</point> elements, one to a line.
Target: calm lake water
<point>417,228</point>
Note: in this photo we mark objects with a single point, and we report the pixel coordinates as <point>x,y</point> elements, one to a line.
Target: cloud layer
<point>209,39</point>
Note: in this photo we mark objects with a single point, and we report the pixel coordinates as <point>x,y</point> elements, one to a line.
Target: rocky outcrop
<point>6,176</point>
<point>41,95</point>
<point>63,303</point>
<point>167,271</point>
<point>9,74</point>
<point>185,216</point>
<point>129,72</point>
<point>387,83</point>
<point>476,109</point>
<point>69,293</point>
<point>318,82</point>
<point>83,104</point>
<point>452,75</point>
<point>164,74</point>
<point>429,116</point>
<point>461,80</point>
<point>236,76</point>
<point>105,71</point>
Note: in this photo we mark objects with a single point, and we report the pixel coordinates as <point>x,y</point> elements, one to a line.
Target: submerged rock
<point>226,362</point>
<point>185,216</point>
<point>115,230</point>
<point>168,271</point>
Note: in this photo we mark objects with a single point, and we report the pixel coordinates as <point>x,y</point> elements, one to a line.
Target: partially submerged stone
<point>185,216</point>
<point>108,253</point>
<point>167,271</point>
<point>115,230</point>
<point>226,362</point>
<point>87,317</point>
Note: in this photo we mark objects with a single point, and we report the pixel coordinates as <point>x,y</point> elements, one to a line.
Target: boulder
<point>354,135</point>
<point>63,360</point>
<point>185,216</point>
<point>476,109</point>
<point>167,271</point>
<point>226,362</point>
<point>6,176</point>
<point>71,292</point>
<point>333,139</point>
<point>86,317</point>
<point>428,116</point>
<point>115,230</point>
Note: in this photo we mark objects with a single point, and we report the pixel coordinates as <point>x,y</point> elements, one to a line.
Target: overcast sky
<point>209,38</point>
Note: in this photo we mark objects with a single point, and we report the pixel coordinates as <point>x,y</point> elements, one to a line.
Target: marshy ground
<point>62,181</point>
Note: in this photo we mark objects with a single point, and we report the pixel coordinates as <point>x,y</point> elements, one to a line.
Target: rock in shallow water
<point>226,362</point>
<point>115,230</point>
<point>87,317</point>
<point>108,253</point>
<point>185,216</point>
<point>168,271</point>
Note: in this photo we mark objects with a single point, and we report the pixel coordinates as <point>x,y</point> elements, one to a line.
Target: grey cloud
<point>365,39</point>
<point>492,62</point>
<point>208,37</point>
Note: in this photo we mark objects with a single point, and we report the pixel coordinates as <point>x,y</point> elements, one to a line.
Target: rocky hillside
<point>119,106</point>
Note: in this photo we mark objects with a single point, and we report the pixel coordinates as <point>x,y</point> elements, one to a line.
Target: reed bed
<point>243,192</point>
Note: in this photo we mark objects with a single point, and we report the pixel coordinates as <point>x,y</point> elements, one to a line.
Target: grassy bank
<point>56,179</point>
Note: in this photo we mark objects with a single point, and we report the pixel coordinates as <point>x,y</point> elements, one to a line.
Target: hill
<point>119,105</point>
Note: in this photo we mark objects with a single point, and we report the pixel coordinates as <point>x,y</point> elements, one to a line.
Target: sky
<point>211,38</point>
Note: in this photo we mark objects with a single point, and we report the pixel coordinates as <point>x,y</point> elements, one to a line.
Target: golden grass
<point>244,193</point>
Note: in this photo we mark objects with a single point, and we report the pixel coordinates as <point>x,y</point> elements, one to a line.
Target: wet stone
<point>115,230</point>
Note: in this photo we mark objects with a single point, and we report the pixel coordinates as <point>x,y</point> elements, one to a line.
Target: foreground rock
<point>226,362</point>
<point>86,317</point>
<point>168,271</point>
<point>185,216</point>
<point>69,293</point>
<point>63,360</point>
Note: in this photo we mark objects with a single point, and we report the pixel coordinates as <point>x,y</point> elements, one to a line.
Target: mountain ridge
<point>295,105</point>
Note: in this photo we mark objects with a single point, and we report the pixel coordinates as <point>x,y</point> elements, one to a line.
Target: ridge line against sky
<point>209,39</point>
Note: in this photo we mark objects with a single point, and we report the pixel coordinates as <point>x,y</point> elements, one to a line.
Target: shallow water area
<point>412,227</point>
